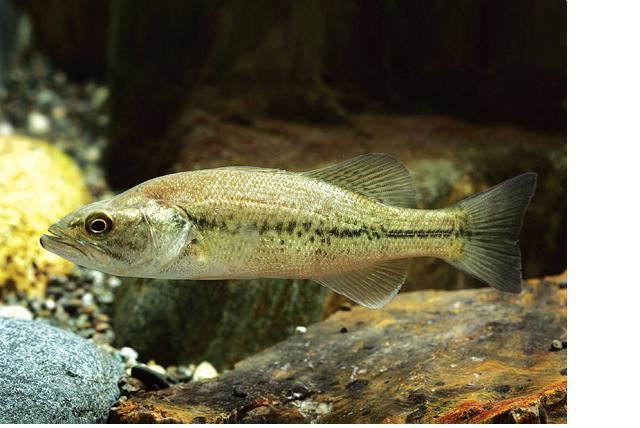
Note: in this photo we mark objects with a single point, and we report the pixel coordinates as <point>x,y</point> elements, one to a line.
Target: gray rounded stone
<point>48,375</point>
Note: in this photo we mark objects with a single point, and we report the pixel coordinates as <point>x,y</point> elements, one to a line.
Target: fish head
<point>120,236</point>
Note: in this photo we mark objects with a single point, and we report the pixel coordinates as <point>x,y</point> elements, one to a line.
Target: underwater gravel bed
<point>40,101</point>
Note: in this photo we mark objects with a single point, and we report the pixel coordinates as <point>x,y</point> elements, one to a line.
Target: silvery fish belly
<point>351,227</point>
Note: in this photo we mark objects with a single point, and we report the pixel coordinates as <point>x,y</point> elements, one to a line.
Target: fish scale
<point>246,200</point>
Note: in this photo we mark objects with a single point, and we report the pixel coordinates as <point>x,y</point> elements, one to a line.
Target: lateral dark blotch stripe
<point>347,233</point>
<point>419,233</point>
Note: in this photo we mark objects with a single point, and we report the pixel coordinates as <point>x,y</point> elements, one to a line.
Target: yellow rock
<point>38,185</point>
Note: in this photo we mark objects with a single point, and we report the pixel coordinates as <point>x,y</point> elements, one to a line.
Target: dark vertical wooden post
<point>156,53</point>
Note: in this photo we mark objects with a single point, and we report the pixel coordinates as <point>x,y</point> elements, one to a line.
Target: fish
<point>352,227</point>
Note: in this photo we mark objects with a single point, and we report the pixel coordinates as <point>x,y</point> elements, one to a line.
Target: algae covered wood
<point>429,356</point>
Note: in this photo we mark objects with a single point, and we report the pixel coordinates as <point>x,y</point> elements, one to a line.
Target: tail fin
<point>493,222</point>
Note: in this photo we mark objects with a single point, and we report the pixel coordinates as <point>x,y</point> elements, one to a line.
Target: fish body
<point>350,227</point>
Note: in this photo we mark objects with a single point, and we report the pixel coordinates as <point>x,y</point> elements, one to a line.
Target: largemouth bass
<point>351,227</point>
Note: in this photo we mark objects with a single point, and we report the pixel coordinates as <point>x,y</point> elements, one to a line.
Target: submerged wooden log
<point>429,356</point>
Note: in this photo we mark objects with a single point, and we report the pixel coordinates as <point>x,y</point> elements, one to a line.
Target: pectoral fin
<point>373,286</point>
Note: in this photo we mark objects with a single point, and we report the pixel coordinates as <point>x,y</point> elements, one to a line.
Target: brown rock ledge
<point>429,356</point>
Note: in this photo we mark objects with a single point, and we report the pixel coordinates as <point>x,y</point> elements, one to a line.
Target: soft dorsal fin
<point>373,286</point>
<point>377,175</point>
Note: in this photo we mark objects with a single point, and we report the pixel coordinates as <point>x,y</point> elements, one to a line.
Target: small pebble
<point>96,276</point>
<point>38,123</point>
<point>103,120</point>
<point>156,367</point>
<point>130,386</point>
<point>6,129</point>
<point>180,374</point>
<point>44,313</point>
<point>61,315</point>
<point>16,311</point>
<point>99,97</point>
<point>101,327</point>
<point>50,304</point>
<point>129,354</point>
<point>87,332</point>
<point>205,371</point>
<point>90,310</point>
<point>556,345</point>
<point>87,299</point>
<point>151,378</point>
<point>92,154</point>
<point>74,303</point>
<point>183,374</point>
<point>59,112</point>
<point>114,281</point>
<point>301,329</point>
<point>60,78</point>
<point>45,96</point>
<point>102,318</point>
<point>105,298</point>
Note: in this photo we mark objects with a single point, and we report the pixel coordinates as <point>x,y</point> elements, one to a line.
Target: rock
<point>129,356</point>
<point>48,375</point>
<point>156,368</point>
<point>182,373</point>
<point>180,322</point>
<point>99,97</point>
<point>114,281</point>
<point>6,129</point>
<point>40,184</point>
<point>15,311</point>
<point>153,379</point>
<point>130,386</point>
<point>204,371</point>
<point>38,123</point>
<point>468,356</point>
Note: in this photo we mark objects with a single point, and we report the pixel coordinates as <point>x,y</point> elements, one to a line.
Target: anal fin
<point>373,286</point>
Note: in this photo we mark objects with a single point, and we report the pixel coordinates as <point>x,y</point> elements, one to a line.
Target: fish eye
<point>98,224</point>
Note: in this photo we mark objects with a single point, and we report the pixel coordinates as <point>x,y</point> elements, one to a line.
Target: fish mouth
<point>62,245</point>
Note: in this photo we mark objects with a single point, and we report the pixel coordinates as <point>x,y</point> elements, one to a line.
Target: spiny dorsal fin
<point>377,175</point>
<point>373,286</point>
